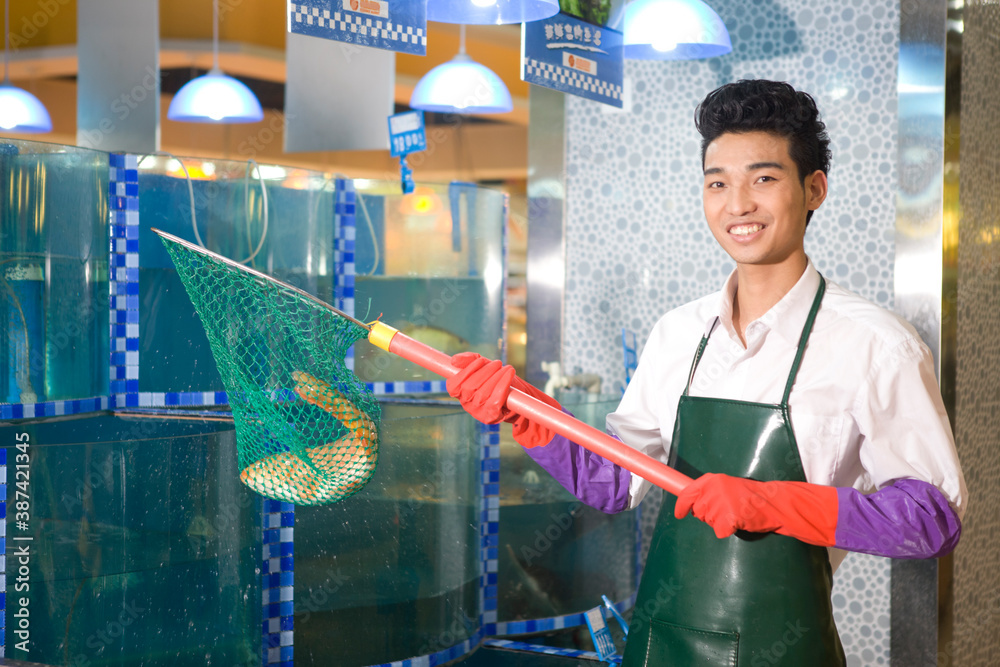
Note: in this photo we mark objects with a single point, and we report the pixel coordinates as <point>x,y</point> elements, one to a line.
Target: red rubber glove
<point>528,433</point>
<point>807,512</point>
<point>482,387</point>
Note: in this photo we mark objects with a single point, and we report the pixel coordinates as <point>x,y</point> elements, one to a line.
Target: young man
<point>809,418</point>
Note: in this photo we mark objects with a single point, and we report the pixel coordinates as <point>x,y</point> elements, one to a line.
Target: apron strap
<point>697,355</point>
<point>803,339</point>
<point>806,330</point>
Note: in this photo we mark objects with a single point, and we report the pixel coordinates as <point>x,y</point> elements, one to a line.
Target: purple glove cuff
<point>909,519</point>
<point>590,477</point>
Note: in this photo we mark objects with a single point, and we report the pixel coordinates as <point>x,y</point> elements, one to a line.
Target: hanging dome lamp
<point>461,85</point>
<point>20,111</point>
<point>673,30</point>
<point>215,97</point>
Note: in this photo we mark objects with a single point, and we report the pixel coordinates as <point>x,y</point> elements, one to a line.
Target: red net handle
<point>614,450</point>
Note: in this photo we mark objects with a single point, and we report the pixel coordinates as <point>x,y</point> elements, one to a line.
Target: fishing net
<point>306,427</point>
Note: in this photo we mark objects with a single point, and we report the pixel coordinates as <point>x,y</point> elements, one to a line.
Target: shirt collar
<point>787,317</point>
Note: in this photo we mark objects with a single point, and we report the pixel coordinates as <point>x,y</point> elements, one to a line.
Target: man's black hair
<point>767,106</point>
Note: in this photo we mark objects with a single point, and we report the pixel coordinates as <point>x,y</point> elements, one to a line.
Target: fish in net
<point>306,427</point>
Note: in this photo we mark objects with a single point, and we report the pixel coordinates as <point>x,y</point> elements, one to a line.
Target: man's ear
<point>816,187</point>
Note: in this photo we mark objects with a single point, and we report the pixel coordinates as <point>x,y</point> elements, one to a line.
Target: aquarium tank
<point>129,537</point>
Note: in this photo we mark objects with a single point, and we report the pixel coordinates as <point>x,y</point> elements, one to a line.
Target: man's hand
<point>805,511</point>
<point>482,387</point>
<point>906,519</point>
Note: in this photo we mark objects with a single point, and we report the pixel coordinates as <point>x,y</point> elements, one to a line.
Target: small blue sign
<point>573,56</point>
<point>603,641</point>
<point>393,25</point>
<point>406,133</point>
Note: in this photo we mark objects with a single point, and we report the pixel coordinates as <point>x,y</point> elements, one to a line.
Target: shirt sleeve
<point>904,426</point>
<point>636,422</point>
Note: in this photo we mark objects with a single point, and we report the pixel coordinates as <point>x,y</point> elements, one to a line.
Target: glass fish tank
<point>146,548</point>
<point>273,219</point>
<point>144,545</point>
<point>558,556</point>
<point>393,572</point>
<point>53,272</point>
<point>431,264</point>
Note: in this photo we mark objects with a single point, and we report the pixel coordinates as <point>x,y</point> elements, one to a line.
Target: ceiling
<point>252,47</point>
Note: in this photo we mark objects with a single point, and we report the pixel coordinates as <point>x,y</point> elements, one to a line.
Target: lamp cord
<point>215,34</point>
<point>461,39</point>
<point>6,41</point>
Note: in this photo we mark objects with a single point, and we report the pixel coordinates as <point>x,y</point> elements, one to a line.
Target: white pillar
<point>338,96</point>
<point>118,87</point>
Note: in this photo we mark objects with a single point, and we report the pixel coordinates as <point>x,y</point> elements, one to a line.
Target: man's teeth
<point>743,230</point>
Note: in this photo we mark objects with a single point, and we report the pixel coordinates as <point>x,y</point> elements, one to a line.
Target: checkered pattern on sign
<point>369,26</point>
<point>571,78</point>
<point>277,582</point>
<point>123,281</point>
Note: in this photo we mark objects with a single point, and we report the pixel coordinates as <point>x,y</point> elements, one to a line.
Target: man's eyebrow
<point>752,167</point>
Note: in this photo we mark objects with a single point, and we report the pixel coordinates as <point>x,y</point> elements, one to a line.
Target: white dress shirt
<point>865,408</point>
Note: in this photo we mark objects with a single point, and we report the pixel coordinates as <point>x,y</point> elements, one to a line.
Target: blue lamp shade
<point>20,111</point>
<point>674,30</point>
<point>215,98</point>
<point>461,85</point>
<point>490,12</point>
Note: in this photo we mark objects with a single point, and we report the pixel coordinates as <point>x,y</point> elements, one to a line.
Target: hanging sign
<point>406,133</point>
<point>393,25</point>
<point>573,56</point>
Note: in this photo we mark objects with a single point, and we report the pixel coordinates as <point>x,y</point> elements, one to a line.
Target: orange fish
<point>323,473</point>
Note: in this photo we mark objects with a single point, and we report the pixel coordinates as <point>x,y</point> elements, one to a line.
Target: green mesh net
<point>306,427</point>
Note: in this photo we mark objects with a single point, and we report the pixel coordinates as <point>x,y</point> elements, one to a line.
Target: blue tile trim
<point>277,582</point>
<point>344,225</point>
<point>489,526</point>
<point>3,561</point>
<point>53,408</point>
<point>504,224</point>
<point>441,657</point>
<point>638,545</point>
<point>538,625</point>
<point>553,623</point>
<point>152,399</point>
<point>175,412</point>
<point>343,244</point>
<point>123,279</point>
<point>537,648</point>
<point>407,387</point>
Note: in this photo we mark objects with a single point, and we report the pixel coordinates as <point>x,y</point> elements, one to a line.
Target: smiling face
<point>755,202</point>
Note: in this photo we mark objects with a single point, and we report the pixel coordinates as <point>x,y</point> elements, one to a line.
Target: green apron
<point>752,599</point>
